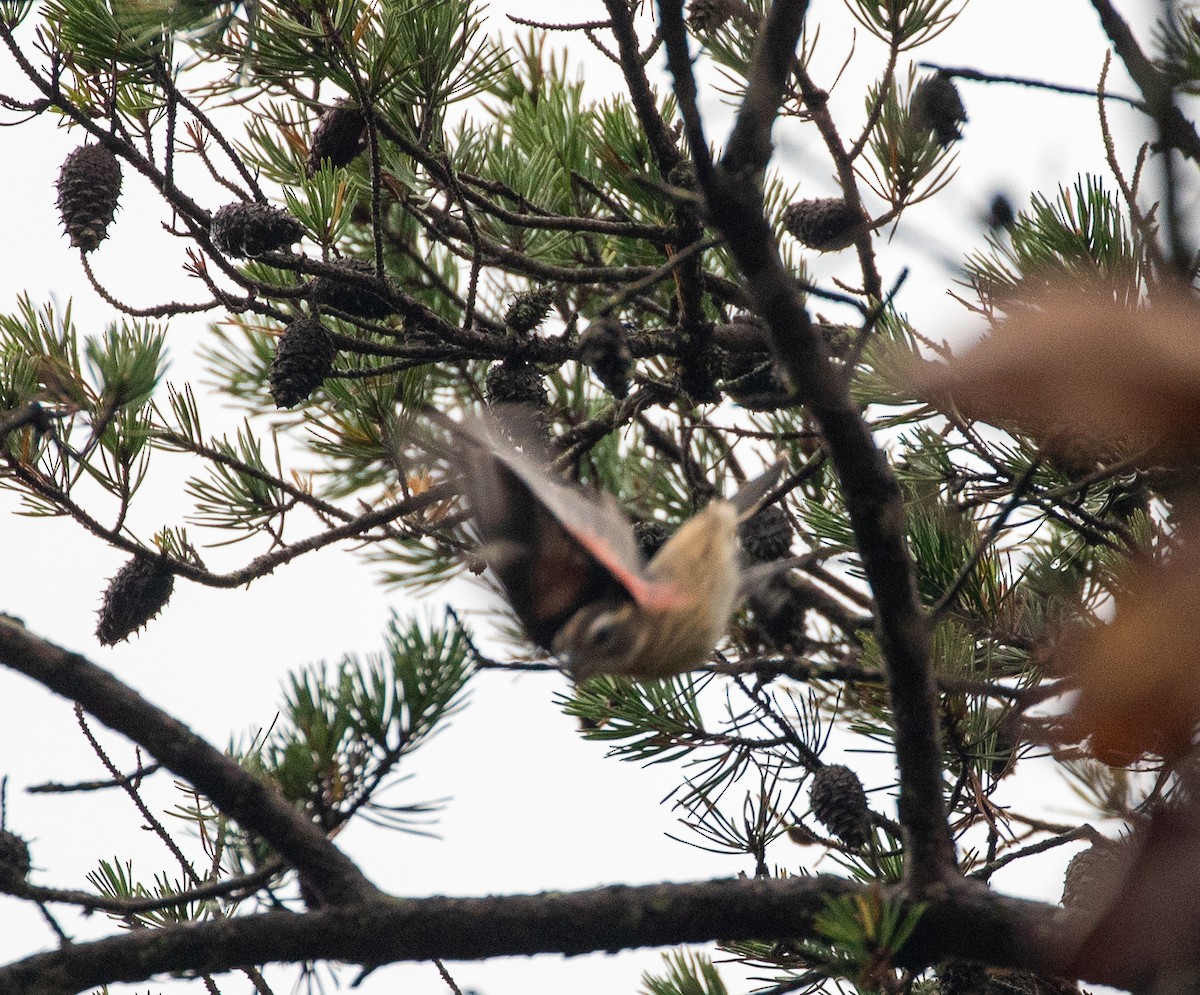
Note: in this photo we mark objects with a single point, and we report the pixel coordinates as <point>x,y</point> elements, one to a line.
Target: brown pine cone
<point>826,224</point>
<point>303,359</point>
<point>840,804</point>
<point>89,186</point>
<point>936,106</point>
<point>242,230</point>
<point>136,593</point>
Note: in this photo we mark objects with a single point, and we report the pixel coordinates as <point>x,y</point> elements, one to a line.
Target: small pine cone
<point>763,388</point>
<point>683,175</point>
<point>242,230</point>
<point>340,136</point>
<point>839,339</point>
<point>514,381</point>
<point>1094,876</point>
<point>528,310</point>
<point>136,593</point>
<point>704,16</point>
<point>651,536</point>
<point>936,106</point>
<point>303,359</point>
<point>958,977</point>
<point>780,609</point>
<point>89,186</point>
<point>1000,213</point>
<point>697,376</point>
<point>352,297</point>
<point>767,535</point>
<point>840,804</point>
<point>827,224</point>
<point>14,862</point>
<point>604,348</point>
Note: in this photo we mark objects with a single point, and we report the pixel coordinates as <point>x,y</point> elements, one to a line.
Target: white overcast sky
<point>532,807</point>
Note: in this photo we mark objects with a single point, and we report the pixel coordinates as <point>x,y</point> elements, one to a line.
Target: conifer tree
<point>398,214</point>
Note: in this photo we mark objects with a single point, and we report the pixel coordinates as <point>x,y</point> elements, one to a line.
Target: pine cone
<point>89,186</point>
<point>936,106</point>
<point>514,381</point>
<point>827,224</point>
<point>839,803</point>
<point>340,136</point>
<point>528,310</point>
<point>651,536</point>
<point>242,230</point>
<point>767,535</point>
<point>958,977</point>
<point>1094,876</point>
<point>1000,213</point>
<point>698,372</point>
<point>780,610</point>
<point>14,862</point>
<point>704,16</point>
<point>763,388</point>
<point>136,593</point>
<point>351,297</point>
<point>603,347</point>
<point>683,175</point>
<point>840,339</point>
<point>303,359</point>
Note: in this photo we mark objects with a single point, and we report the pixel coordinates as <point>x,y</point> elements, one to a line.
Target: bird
<point>570,566</point>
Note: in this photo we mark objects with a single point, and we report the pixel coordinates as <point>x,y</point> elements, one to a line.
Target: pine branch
<point>632,67</point>
<point>257,806</point>
<point>872,494</point>
<point>1175,130</point>
<point>967,923</point>
<point>975,75</point>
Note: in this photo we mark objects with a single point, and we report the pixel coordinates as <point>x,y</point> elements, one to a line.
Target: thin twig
<point>1079,833</point>
<point>54,788</point>
<point>960,72</point>
<point>986,540</point>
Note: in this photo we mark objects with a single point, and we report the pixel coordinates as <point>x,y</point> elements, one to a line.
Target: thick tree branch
<point>1175,131</point>
<point>253,803</point>
<point>749,148</point>
<point>966,923</point>
<point>733,194</point>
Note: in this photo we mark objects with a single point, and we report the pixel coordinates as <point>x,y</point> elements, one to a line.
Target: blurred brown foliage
<point>1139,676</point>
<point>1088,378</point>
<point>1079,372</point>
<point>1152,915</point>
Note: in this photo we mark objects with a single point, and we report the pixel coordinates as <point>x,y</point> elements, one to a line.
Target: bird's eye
<point>602,632</point>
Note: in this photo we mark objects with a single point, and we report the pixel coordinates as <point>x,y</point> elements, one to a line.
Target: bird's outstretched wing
<point>555,547</point>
